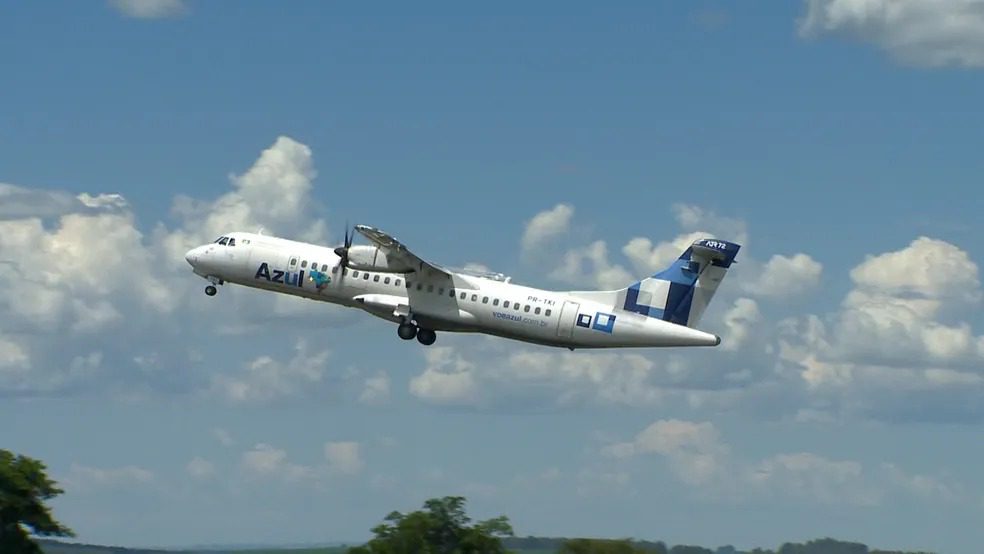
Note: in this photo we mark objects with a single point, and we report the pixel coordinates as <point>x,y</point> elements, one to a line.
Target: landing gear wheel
<point>211,290</point>
<point>407,331</point>
<point>426,337</point>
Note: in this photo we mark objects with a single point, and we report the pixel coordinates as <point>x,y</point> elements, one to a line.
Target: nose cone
<point>192,256</point>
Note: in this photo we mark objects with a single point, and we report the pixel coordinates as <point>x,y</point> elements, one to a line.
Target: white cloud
<point>545,226</point>
<point>783,277</point>
<point>376,389</point>
<point>918,32</point>
<point>200,468</point>
<point>275,194</point>
<point>807,475</point>
<point>223,436</point>
<point>344,457</point>
<point>83,478</point>
<point>590,265</point>
<point>266,379</point>
<point>741,320</point>
<point>447,378</point>
<point>267,461</point>
<point>149,9</point>
<point>694,450</point>
<point>928,267</point>
<point>700,458</point>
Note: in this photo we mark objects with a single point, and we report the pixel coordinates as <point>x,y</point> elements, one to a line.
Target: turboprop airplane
<point>389,281</point>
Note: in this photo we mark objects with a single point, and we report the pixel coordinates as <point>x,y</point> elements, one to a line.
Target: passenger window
<point>232,242</point>
<point>334,269</point>
<point>324,268</point>
<point>365,276</point>
<point>463,295</point>
<point>516,306</point>
<point>474,298</point>
<point>304,263</point>
<point>495,301</point>
<point>314,266</point>
<point>430,288</point>
<point>537,311</point>
<point>485,300</point>
<point>397,283</point>
<point>420,286</point>
<point>375,278</point>
<point>547,313</point>
<point>245,241</point>
<point>386,281</point>
<point>526,308</point>
<point>451,293</point>
<point>505,303</point>
<point>355,274</point>
<point>344,271</point>
<point>409,285</point>
<point>440,291</point>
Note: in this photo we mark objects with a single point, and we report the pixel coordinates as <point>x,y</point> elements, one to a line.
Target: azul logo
<point>295,279</point>
<point>602,322</point>
<point>320,279</point>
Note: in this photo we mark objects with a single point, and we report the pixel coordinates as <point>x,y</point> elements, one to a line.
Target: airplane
<point>389,281</point>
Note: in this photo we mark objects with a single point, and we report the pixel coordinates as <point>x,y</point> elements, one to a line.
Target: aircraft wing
<point>397,251</point>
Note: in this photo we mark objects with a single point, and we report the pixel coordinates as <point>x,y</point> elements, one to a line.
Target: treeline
<point>625,546</point>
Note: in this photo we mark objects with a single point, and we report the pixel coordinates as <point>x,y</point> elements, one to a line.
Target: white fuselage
<point>461,303</point>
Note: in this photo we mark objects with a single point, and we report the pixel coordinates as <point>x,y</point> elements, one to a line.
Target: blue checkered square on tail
<point>681,293</point>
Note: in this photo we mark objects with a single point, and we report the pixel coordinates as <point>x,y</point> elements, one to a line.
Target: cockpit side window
<point>224,241</point>
<point>232,242</point>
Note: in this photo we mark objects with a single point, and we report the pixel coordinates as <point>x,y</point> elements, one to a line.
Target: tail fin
<point>681,293</point>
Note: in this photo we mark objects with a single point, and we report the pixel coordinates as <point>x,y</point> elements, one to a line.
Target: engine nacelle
<point>371,258</point>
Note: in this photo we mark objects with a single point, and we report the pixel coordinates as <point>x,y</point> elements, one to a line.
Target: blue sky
<point>566,144</point>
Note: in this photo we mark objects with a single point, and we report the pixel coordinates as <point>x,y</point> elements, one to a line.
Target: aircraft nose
<point>191,256</point>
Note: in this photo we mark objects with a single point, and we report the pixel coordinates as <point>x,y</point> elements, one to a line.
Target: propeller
<point>343,251</point>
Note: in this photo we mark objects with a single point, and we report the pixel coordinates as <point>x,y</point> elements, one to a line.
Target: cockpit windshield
<point>227,241</point>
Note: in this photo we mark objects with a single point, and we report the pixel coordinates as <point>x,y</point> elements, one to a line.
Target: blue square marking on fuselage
<point>584,320</point>
<point>604,322</point>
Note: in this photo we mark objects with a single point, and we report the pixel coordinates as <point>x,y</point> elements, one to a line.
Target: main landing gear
<point>407,331</point>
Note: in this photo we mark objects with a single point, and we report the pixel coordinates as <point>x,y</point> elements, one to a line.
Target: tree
<point>442,527</point>
<point>24,488</point>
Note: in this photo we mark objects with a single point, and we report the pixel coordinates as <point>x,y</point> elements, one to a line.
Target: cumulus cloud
<point>149,9</point>
<point>786,276</point>
<point>917,32</point>
<point>447,378</point>
<point>545,226</point>
<point>266,379</point>
<point>265,461</point>
<point>740,321</point>
<point>504,374</point>
<point>698,456</point>
<point>343,457</point>
<point>82,478</point>
<point>200,468</point>
<point>893,344</point>
<point>376,389</point>
<point>927,267</point>
<point>694,450</point>
<point>77,268</point>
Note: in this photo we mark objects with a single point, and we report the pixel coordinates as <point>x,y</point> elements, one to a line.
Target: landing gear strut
<point>211,290</point>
